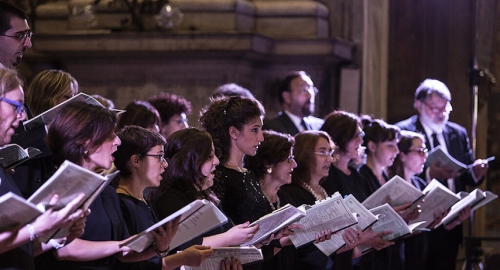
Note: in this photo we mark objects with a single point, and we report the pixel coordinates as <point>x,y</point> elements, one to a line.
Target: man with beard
<point>432,101</point>
<point>296,94</point>
<point>15,35</point>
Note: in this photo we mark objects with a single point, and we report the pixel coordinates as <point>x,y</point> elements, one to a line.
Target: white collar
<point>297,121</point>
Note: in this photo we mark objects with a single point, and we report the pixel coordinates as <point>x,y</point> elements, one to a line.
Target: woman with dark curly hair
<point>235,124</point>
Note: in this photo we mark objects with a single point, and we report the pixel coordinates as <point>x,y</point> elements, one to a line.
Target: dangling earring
<point>269,170</point>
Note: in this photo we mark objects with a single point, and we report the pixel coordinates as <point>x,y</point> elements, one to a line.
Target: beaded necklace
<point>317,196</point>
<point>271,203</point>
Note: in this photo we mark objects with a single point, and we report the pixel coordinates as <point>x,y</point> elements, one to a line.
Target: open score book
<point>197,218</point>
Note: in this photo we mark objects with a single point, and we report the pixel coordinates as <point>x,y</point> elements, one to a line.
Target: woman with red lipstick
<point>313,152</point>
<point>140,159</point>
<point>84,134</point>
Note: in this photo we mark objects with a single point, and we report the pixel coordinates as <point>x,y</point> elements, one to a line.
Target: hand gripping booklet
<point>365,220</point>
<point>437,197</point>
<point>445,160</point>
<point>15,211</point>
<point>245,255</point>
<point>388,219</point>
<point>197,218</point>
<point>475,199</point>
<point>329,214</point>
<point>12,155</point>
<point>68,181</point>
<point>399,191</point>
<point>274,222</point>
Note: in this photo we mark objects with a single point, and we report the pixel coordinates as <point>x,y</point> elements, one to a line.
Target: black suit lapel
<point>288,125</point>
<point>420,129</point>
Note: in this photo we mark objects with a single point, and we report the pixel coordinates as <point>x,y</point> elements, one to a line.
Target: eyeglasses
<point>421,151</point>
<point>180,121</point>
<point>160,157</point>
<point>20,109</point>
<point>290,158</point>
<point>435,109</point>
<point>22,36</point>
<point>360,134</point>
<point>310,90</point>
<point>324,153</point>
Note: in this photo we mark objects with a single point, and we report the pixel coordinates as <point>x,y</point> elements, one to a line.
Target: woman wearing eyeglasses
<point>408,164</point>
<point>19,244</point>
<point>273,165</point>
<point>313,152</point>
<point>84,134</point>
<point>140,159</point>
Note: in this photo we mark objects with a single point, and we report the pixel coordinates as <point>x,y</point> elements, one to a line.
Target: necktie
<point>435,141</point>
<point>305,125</point>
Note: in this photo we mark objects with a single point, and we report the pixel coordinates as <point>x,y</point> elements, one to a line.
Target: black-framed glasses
<point>325,153</point>
<point>160,157</point>
<point>22,36</point>
<point>421,151</point>
<point>20,109</point>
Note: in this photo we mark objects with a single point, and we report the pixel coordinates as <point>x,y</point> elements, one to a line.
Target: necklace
<point>236,168</point>
<point>128,193</point>
<point>271,203</point>
<point>316,195</point>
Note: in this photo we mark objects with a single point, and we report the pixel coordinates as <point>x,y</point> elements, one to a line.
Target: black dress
<point>105,223</point>
<point>389,258</point>
<point>22,256</point>
<point>171,200</point>
<point>416,247</point>
<point>309,256</point>
<point>240,195</point>
<point>242,200</point>
<point>138,217</point>
<point>355,184</point>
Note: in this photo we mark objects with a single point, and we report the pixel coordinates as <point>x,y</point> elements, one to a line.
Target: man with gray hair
<point>433,104</point>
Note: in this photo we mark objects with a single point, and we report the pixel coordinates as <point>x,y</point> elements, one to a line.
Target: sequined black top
<point>240,195</point>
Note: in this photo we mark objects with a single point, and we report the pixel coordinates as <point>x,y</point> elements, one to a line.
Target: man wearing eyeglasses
<point>296,94</point>
<point>433,103</point>
<point>15,35</point>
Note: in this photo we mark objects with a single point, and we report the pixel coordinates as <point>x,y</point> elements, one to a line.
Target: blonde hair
<point>47,87</point>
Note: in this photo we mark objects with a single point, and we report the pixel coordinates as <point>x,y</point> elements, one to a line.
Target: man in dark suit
<point>432,101</point>
<point>296,94</point>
